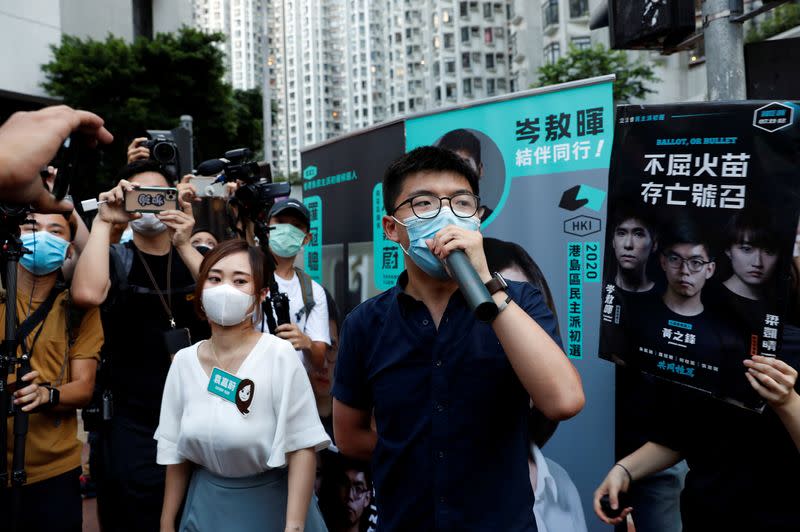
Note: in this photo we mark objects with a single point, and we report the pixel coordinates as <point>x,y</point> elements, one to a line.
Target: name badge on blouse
<point>232,388</point>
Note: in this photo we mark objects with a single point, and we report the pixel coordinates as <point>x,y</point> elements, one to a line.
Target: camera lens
<point>164,152</point>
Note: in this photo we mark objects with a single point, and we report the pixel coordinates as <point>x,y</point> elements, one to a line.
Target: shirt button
<point>425,322</point>
<point>438,363</point>
<point>441,454</point>
<point>440,408</point>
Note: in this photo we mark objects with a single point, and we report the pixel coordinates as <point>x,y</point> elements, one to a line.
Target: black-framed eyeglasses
<point>426,206</point>
<point>357,491</point>
<point>694,264</point>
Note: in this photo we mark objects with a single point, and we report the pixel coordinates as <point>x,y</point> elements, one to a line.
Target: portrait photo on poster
<point>698,249</point>
<point>483,155</point>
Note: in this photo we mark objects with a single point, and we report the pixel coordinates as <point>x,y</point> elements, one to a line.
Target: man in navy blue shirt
<point>450,395</point>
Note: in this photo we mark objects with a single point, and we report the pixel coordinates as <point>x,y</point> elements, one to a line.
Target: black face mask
<point>203,250</point>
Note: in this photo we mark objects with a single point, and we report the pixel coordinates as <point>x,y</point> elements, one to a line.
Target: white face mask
<point>148,225</point>
<point>225,305</point>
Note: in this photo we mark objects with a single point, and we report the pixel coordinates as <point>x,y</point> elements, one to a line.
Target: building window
<point>488,36</point>
<point>465,62</point>
<point>448,41</point>
<point>476,58</point>
<point>462,9</point>
<point>490,61</point>
<point>450,66</point>
<point>487,10</point>
<point>450,90</point>
<point>578,8</point>
<point>582,43</point>
<point>467,84</point>
<point>464,34</point>
<point>490,87</point>
<point>550,12</point>
<point>551,53</point>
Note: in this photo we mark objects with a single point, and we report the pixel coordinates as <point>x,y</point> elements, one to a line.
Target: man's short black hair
<point>141,166</point>
<point>632,210</point>
<point>684,230</point>
<point>462,140</point>
<point>423,159</point>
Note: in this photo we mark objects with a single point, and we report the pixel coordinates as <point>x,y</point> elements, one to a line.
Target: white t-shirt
<point>315,325</point>
<point>200,427</point>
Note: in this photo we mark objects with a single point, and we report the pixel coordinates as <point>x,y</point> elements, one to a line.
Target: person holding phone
<point>144,288</point>
<point>238,429</point>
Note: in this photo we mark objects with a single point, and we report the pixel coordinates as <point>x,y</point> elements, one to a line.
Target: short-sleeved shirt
<point>743,465</point>
<point>451,414</point>
<point>315,325</point>
<point>208,430</point>
<point>52,446</point>
<point>135,323</point>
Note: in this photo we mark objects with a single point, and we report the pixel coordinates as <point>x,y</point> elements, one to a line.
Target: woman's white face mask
<point>225,305</point>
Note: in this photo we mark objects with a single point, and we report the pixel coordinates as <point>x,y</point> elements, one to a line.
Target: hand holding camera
<point>29,140</point>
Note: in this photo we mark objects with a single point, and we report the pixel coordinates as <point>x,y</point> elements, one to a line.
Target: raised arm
<point>774,380</point>
<point>542,367</point>
<point>91,280</point>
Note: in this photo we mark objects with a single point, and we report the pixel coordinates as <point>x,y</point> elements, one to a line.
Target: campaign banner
<point>543,158</point>
<point>702,219</point>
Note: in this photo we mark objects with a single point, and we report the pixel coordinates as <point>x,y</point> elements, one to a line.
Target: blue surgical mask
<point>285,240</point>
<point>422,229</point>
<point>49,252</point>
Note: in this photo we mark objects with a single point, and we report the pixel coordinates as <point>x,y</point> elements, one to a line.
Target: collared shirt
<point>558,505</point>
<point>451,414</point>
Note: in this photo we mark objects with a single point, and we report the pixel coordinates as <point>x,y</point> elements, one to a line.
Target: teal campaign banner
<point>313,250</point>
<point>389,262</point>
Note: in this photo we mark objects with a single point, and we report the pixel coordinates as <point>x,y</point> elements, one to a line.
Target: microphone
<point>212,166</point>
<point>475,292</point>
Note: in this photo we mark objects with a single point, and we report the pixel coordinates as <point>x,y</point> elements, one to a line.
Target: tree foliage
<point>149,84</point>
<point>772,23</point>
<point>632,76</point>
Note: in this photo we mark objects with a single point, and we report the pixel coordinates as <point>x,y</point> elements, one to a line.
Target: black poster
<point>339,181</point>
<point>702,220</point>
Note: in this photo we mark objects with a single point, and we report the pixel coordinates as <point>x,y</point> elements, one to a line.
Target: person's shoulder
<point>278,349</point>
<point>371,309</point>
<point>318,290</point>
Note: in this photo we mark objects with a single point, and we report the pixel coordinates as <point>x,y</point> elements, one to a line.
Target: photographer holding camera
<point>64,343</point>
<point>309,333</point>
<point>145,291</point>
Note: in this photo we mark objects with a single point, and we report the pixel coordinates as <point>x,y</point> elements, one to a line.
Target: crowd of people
<point>408,413</point>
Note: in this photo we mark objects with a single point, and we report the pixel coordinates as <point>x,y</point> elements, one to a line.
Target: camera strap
<point>38,317</point>
<point>167,305</point>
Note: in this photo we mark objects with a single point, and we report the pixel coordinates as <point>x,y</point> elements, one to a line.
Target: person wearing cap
<point>308,331</point>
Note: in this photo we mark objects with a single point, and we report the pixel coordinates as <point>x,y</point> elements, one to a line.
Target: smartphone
<point>207,188</point>
<point>151,199</point>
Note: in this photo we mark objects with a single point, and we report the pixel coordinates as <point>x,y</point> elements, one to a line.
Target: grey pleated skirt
<point>256,503</point>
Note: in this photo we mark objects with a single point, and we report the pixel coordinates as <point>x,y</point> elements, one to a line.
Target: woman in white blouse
<point>237,410</point>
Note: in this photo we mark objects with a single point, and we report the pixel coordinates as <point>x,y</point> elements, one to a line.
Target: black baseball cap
<point>291,204</point>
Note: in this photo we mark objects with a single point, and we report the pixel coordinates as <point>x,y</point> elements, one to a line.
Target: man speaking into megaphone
<point>450,393</point>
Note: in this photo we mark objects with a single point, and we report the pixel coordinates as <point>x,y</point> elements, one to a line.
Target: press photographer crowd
<point>217,386</point>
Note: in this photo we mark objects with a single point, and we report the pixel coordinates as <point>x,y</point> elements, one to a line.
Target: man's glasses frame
<point>433,198</point>
<point>694,264</point>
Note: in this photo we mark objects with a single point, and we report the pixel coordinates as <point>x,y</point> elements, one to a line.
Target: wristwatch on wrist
<point>54,396</point>
<point>496,284</point>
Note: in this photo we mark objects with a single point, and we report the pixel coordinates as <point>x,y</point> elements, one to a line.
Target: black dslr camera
<point>163,149</point>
